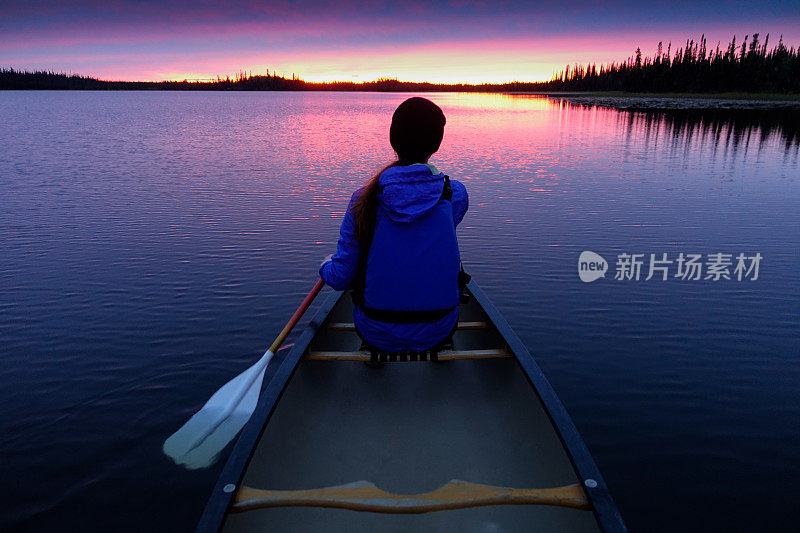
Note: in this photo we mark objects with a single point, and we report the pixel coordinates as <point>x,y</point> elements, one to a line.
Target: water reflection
<point>154,241</point>
<point>722,126</point>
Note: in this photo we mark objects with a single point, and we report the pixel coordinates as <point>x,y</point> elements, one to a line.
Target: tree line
<point>750,67</point>
<point>746,67</point>
<point>46,80</point>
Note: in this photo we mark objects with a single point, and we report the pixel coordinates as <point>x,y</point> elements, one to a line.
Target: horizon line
<point>241,76</point>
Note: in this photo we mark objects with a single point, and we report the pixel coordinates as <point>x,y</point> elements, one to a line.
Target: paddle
<point>199,441</point>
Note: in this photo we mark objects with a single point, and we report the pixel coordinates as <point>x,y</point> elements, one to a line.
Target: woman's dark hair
<point>415,134</point>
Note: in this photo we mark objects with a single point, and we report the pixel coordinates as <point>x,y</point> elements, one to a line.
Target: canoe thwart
<point>444,355</point>
<point>365,496</point>
<point>350,326</point>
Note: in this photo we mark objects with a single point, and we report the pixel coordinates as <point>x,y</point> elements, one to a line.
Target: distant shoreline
<point>749,71</point>
<point>788,97</point>
<point>678,102</point>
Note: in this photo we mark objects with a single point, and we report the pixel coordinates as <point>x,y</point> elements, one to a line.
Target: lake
<point>154,243</point>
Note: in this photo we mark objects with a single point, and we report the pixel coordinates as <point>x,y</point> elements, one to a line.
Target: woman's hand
<point>328,258</point>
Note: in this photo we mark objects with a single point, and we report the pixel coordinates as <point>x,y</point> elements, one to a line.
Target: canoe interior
<point>410,428</point>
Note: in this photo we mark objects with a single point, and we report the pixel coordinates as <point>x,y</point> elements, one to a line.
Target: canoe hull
<point>410,428</point>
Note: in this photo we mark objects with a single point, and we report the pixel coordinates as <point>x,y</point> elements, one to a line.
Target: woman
<point>397,246</point>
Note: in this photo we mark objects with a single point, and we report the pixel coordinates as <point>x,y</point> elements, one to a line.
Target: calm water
<point>153,244</point>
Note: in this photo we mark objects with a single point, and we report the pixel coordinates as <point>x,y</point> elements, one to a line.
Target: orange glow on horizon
<point>468,62</point>
<point>529,59</point>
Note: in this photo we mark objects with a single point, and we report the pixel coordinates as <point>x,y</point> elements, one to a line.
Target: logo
<point>690,266</point>
<point>591,266</point>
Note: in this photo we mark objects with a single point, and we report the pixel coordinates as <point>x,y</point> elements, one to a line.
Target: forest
<point>748,67</point>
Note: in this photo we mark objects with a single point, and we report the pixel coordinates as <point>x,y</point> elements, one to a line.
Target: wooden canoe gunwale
<point>603,506</point>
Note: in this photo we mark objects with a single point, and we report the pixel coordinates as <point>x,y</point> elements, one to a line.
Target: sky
<point>468,41</point>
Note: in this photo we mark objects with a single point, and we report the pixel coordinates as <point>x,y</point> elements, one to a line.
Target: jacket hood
<point>407,192</point>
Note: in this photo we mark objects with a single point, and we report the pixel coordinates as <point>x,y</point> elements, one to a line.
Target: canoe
<point>475,441</point>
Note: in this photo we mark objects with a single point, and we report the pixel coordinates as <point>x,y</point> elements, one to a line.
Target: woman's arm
<point>460,201</point>
<point>339,271</point>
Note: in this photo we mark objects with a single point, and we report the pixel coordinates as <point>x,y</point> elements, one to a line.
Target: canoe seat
<point>444,355</point>
<point>462,326</point>
<point>376,356</point>
<point>382,356</point>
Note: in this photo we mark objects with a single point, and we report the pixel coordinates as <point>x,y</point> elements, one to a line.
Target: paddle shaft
<point>296,316</point>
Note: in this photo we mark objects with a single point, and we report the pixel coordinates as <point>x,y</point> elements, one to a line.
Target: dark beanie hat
<point>417,129</point>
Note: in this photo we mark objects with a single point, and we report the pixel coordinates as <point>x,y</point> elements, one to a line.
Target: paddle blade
<point>198,443</point>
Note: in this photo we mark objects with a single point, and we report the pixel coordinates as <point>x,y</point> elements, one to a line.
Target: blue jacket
<point>413,261</point>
